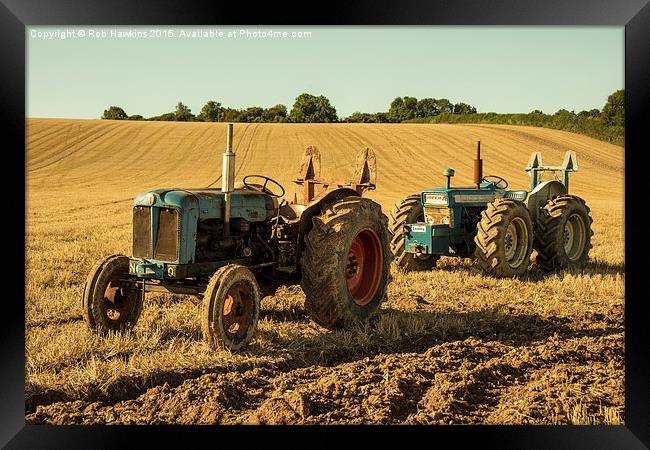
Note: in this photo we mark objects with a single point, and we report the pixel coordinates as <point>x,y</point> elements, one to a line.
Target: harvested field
<point>450,346</point>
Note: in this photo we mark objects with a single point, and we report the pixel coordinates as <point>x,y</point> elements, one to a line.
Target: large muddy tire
<point>346,263</point>
<point>231,308</point>
<point>504,238</point>
<point>106,305</point>
<point>407,211</point>
<point>563,234</point>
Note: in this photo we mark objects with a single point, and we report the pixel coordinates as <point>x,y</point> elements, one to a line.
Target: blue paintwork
<point>150,269</point>
<point>426,238</point>
<point>438,238</point>
<point>194,204</point>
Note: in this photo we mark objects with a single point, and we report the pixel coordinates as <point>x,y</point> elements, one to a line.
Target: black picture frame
<point>15,15</point>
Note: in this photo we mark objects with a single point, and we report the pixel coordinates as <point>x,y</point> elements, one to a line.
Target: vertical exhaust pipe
<point>227,179</point>
<point>478,166</point>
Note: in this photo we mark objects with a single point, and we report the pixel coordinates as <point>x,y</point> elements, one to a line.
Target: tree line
<point>605,124</point>
<point>307,108</point>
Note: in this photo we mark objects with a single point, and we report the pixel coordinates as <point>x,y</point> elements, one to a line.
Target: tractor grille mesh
<point>167,236</point>
<point>437,216</point>
<point>142,232</point>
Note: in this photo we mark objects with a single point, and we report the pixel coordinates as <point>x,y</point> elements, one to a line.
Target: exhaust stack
<point>478,166</point>
<point>228,179</point>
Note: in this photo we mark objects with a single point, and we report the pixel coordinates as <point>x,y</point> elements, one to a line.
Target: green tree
<point>590,113</point>
<point>135,117</point>
<point>614,110</point>
<point>310,108</point>
<point>230,115</point>
<point>167,117</point>
<point>382,117</point>
<point>359,117</point>
<point>277,113</point>
<point>252,114</point>
<point>445,106</point>
<point>427,107</point>
<point>183,113</point>
<point>564,112</point>
<point>403,108</point>
<point>464,108</point>
<point>114,113</point>
<point>210,111</point>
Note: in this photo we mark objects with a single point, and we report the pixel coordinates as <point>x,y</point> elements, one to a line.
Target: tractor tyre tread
<point>327,299</point>
<point>94,287</point>
<point>210,327</point>
<point>490,252</point>
<point>548,232</point>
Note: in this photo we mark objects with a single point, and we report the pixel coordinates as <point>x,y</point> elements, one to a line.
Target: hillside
<point>129,157</point>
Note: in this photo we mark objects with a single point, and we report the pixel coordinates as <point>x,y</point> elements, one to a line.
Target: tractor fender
<point>315,207</point>
<point>542,193</point>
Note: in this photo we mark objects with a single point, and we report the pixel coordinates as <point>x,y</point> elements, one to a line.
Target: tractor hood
<point>460,195</point>
<point>209,203</point>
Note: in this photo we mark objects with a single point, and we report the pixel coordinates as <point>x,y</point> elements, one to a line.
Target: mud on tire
<point>346,263</point>
<point>407,211</point>
<point>563,234</point>
<point>105,305</point>
<point>231,308</point>
<point>504,238</point>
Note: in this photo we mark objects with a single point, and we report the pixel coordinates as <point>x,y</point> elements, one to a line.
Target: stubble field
<point>450,346</point>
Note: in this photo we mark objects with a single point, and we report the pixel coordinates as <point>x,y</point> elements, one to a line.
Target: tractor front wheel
<point>504,238</point>
<point>563,234</point>
<point>106,304</point>
<point>346,263</point>
<point>231,308</point>
<point>408,211</point>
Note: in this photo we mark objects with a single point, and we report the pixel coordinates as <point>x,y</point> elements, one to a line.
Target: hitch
<point>536,169</point>
<point>364,176</point>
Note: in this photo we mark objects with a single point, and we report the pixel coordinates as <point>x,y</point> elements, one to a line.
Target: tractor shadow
<point>535,274</point>
<point>396,331</point>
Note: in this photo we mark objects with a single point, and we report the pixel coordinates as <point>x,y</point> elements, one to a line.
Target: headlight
<point>149,199</point>
<point>438,216</point>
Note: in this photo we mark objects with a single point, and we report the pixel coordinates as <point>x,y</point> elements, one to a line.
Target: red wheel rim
<point>363,266</point>
<point>117,302</point>
<point>237,310</point>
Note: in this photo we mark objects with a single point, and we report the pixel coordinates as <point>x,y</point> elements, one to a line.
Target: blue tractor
<point>213,243</point>
<point>497,226</point>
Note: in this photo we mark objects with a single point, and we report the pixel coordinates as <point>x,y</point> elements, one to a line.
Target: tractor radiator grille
<point>142,232</point>
<point>437,216</point>
<point>167,235</point>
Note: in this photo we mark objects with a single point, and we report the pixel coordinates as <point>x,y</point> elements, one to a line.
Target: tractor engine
<point>245,240</point>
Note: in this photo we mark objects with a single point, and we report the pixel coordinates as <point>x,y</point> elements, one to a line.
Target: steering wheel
<point>500,182</point>
<point>255,187</point>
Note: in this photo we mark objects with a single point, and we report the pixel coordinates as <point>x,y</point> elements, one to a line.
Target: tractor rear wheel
<point>231,308</point>
<point>504,238</point>
<point>563,234</point>
<point>408,211</point>
<point>346,263</point>
<point>106,304</point>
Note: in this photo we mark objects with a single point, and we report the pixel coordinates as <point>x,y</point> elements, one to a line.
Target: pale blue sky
<point>501,69</point>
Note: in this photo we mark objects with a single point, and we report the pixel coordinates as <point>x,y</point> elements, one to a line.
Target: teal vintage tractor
<point>213,243</point>
<point>497,226</point>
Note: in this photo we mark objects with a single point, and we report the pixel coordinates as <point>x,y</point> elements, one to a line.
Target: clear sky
<point>500,69</point>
